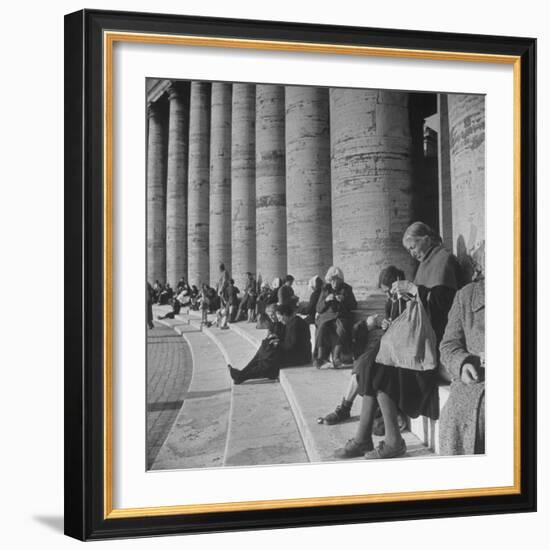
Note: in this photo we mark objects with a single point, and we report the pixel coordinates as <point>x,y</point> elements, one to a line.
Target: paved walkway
<point>169,371</point>
<point>198,435</point>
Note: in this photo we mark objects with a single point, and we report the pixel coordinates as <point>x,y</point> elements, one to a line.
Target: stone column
<point>270,182</point>
<point>371,183</point>
<point>309,226</point>
<point>176,183</point>
<point>444,173</point>
<point>198,199</point>
<point>467,152</point>
<point>156,192</point>
<point>220,179</point>
<point>243,172</point>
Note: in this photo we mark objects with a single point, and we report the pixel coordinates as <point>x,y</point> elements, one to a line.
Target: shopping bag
<point>410,341</point>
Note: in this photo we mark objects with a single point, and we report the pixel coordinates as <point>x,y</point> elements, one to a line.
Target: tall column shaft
<point>220,179</point>
<point>176,183</point>
<point>467,151</point>
<point>371,181</point>
<point>444,173</point>
<point>271,257</point>
<point>243,171</point>
<point>198,197</point>
<point>309,226</point>
<point>156,192</point>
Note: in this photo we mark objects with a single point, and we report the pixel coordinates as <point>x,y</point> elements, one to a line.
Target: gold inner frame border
<point>109,39</point>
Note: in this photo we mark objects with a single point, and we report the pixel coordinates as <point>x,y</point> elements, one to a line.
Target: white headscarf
<point>332,272</point>
<point>311,282</point>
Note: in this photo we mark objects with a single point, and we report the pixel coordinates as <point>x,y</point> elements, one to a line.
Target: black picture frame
<point>85,498</point>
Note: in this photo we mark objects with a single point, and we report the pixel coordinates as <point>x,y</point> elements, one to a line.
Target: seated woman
<point>285,294</point>
<point>247,306</point>
<point>209,303</point>
<point>176,308</point>
<point>366,342</point>
<point>288,343</point>
<point>166,295</point>
<point>462,428</point>
<point>395,388</point>
<point>195,295</point>
<point>263,321</point>
<point>182,285</point>
<point>334,323</point>
<point>267,302</point>
<point>309,309</point>
<point>267,360</point>
<point>183,296</point>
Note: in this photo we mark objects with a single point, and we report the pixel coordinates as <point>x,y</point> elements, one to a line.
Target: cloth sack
<point>410,341</point>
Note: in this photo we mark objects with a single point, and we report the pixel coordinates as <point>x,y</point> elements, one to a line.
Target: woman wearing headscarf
<point>395,388</point>
<point>262,320</point>
<point>247,306</point>
<point>462,428</point>
<point>334,323</point>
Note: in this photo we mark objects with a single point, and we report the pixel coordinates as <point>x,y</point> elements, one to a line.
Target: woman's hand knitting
<point>404,287</point>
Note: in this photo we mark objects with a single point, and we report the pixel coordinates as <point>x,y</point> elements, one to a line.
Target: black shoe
<point>235,375</point>
<point>340,414</point>
<point>318,363</point>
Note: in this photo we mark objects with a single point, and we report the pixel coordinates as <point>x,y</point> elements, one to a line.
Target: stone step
<point>313,393</point>
<point>262,428</point>
<point>198,436</point>
<point>308,392</point>
<point>311,400</point>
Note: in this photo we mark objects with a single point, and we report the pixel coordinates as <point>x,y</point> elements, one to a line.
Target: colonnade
<point>278,179</point>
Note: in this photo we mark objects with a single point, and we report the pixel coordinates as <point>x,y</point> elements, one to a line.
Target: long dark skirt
<point>415,393</point>
<point>265,364</point>
<point>370,345</point>
<point>332,333</point>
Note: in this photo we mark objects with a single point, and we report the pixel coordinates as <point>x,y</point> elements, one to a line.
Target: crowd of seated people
<point>388,392</point>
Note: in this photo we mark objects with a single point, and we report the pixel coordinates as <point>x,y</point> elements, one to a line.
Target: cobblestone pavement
<point>169,371</point>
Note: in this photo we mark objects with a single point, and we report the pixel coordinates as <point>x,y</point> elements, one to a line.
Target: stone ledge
<point>426,429</point>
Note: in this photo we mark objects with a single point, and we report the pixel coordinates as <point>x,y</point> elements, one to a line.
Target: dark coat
<point>334,323</point>
<point>296,343</point>
<point>309,309</point>
<point>267,360</point>
<point>328,311</point>
<point>285,296</point>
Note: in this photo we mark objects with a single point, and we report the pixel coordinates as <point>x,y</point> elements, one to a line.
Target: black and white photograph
<point>315,263</point>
